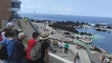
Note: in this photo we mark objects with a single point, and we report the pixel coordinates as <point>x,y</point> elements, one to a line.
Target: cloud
<point>47,9</point>
<point>30,7</point>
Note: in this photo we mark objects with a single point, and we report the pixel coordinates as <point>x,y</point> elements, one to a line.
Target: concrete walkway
<point>27,28</point>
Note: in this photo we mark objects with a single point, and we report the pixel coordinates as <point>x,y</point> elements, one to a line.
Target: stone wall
<point>5,10</point>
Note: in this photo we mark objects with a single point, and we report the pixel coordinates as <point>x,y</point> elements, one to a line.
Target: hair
<point>35,34</point>
<point>21,34</point>
<point>0,32</point>
<point>7,31</point>
<point>11,33</point>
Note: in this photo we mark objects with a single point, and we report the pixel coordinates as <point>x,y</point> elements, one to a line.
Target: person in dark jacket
<point>44,39</point>
<point>19,49</point>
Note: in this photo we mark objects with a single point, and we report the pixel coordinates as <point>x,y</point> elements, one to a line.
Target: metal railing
<point>33,26</point>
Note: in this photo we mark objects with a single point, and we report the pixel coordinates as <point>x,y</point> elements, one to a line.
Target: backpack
<point>3,51</point>
<point>1,38</point>
<point>35,52</point>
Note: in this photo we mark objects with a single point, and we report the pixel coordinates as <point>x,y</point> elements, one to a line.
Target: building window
<point>15,5</point>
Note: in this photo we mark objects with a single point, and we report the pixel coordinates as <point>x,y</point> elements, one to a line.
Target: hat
<point>45,36</point>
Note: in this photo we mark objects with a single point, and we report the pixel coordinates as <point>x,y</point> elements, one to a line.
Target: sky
<point>101,8</point>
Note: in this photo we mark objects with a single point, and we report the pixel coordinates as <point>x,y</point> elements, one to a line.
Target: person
<point>31,44</point>
<point>10,24</point>
<point>111,59</point>
<point>9,41</point>
<point>102,59</point>
<point>66,46</point>
<point>0,36</point>
<point>25,19</point>
<point>5,32</point>
<point>60,46</point>
<point>94,48</point>
<point>106,60</point>
<point>55,44</point>
<point>19,51</point>
<point>44,39</point>
<point>52,48</point>
<point>77,58</point>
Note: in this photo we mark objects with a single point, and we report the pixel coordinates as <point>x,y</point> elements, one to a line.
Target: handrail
<point>33,26</point>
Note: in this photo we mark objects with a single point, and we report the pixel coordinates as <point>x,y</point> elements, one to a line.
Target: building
<point>8,9</point>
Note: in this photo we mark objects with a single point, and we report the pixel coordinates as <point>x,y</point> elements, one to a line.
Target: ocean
<point>101,39</point>
<point>53,17</point>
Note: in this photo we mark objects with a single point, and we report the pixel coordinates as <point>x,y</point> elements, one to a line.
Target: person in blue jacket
<point>9,41</point>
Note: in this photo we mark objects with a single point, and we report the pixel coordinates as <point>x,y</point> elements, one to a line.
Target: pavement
<point>27,28</point>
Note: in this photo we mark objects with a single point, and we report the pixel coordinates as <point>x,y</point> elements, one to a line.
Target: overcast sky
<point>101,8</point>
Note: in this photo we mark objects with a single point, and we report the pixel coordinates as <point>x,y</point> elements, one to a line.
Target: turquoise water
<point>102,39</point>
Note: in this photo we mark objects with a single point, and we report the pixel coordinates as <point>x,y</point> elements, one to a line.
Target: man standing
<point>60,46</point>
<point>31,43</point>
<point>19,50</point>
<point>66,46</point>
<point>9,42</point>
